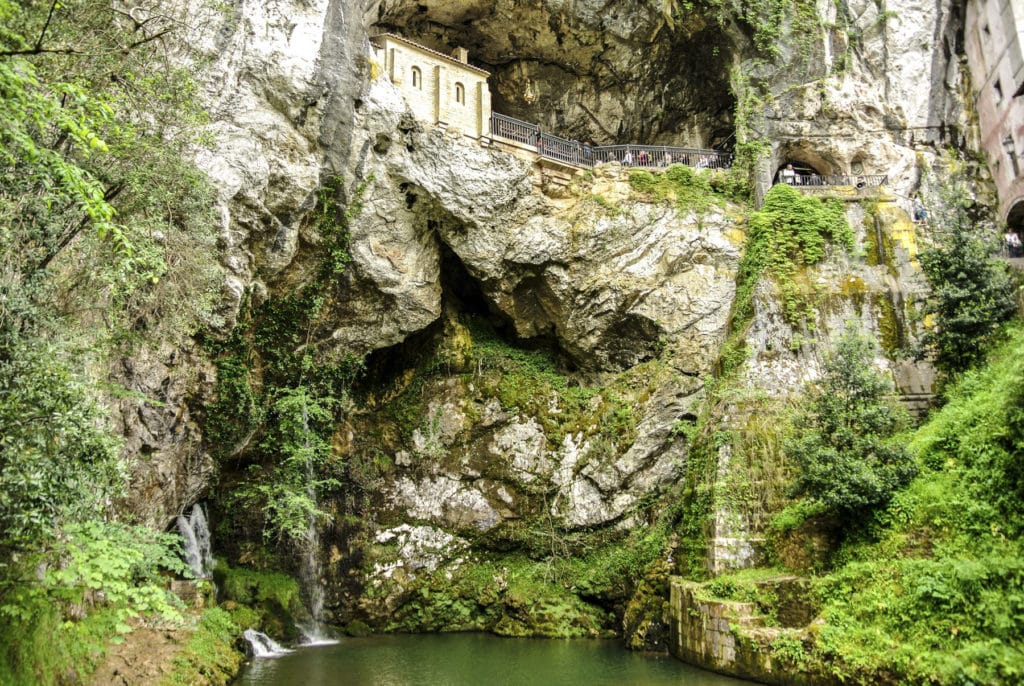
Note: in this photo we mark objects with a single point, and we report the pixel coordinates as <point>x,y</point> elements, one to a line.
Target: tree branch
<point>40,51</point>
<point>149,38</point>
<point>46,26</point>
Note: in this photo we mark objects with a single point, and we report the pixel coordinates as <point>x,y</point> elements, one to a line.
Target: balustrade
<point>582,155</point>
<point>812,181</point>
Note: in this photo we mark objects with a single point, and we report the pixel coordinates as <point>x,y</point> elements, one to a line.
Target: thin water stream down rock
<point>195,536</point>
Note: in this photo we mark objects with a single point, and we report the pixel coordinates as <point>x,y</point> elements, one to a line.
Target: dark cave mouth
<point>465,303</point>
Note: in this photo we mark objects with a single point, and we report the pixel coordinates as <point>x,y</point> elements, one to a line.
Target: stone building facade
<point>444,90</point>
<point>994,42</point>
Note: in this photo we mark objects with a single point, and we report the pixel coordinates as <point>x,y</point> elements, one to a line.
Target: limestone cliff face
<point>878,93</point>
<point>605,283</point>
<point>632,290</point>
<point>608,279</point>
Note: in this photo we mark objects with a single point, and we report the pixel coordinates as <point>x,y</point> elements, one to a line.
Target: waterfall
<point>195,535</point>
<point>262,645</point>
<point>310,571</point>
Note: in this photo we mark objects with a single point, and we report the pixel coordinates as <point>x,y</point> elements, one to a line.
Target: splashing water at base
<point>262,645</point>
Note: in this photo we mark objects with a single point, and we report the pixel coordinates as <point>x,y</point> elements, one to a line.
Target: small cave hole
<point>460,291</point>
<point>382,143</point>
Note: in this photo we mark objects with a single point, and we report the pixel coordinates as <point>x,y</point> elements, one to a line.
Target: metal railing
<point>811,181</point>
<point>564,150</point>
<point>582,155</point>
<point>660,156</point>
<point>514,130</point>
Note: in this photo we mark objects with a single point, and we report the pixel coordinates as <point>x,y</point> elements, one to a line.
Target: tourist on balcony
<point>789,175</point>
<point>642,159</point>
<point>1014,247</point>
<point>627,159</point>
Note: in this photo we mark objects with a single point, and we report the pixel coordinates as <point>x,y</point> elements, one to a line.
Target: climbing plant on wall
<point>789,233</point>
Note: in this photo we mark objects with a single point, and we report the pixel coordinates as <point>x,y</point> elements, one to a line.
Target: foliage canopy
<point>972,292</point>
<point>844,454</point>
<point>104,224</point>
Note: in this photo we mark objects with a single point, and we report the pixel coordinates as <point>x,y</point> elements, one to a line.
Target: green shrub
<point>972,292</point>
<point>643,181</point>
<point>846,458</point>
<point>980,432</point>
<point>97,578</point>
<point>273,597</point>
<point>58,462</point>
<point>936,595</point>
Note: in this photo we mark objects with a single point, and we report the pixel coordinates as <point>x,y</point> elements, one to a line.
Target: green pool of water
<point>469,659</point>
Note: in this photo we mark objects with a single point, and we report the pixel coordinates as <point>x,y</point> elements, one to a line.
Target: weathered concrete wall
<point>702,633</point>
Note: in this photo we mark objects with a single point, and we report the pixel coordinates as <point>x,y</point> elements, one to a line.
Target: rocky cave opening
<point>1015,218</point>
<point>462,300</point>
<point>621,76</point>
<point>807,159</point>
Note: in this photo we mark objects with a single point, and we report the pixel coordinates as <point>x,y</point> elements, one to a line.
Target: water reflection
<point>462,659</point>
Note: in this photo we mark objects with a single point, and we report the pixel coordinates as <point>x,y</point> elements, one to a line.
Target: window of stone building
<point>417,78</point>
<point>997,90</point>
<point>460,94</point>
<point>1010,148</point>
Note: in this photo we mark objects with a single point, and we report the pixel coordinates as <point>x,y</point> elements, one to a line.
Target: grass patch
<point>209,656</point>
<point>689,189</point>
<point>932,588</point>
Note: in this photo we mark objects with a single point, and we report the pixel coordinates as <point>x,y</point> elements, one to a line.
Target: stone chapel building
<point>444,90</point>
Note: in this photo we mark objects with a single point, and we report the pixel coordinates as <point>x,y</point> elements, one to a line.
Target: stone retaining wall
<point>730,637</point>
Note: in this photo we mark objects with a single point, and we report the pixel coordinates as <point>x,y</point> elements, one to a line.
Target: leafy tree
<point>97,195</point>
<point>846,460</point>
<point>104,225</point>
<point>972,292</point>
<point>56,461</point>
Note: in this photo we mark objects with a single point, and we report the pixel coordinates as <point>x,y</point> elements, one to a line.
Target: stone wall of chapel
<point>438,90</point>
